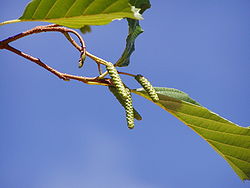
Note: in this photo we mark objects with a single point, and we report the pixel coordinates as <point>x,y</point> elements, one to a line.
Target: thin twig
<point>99,80</point>
<point>102,75</point>
<point>99,69</point>
<point>125,73</point>
<point>89,80</point>
<point>96,59</point>
<point>72,41</point>
<point>64,76</point>
<point>47,28</point>
<point>35,60</point>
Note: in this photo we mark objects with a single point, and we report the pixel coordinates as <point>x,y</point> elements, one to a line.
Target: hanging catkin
<point>113,90</point>
<point>115,77</point>
<point>148,87</point>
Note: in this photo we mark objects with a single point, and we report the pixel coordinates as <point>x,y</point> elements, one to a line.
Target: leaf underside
<point>77,13</point>
<point>134,31</point>
<point>81,14</point>
<point>231,141</point>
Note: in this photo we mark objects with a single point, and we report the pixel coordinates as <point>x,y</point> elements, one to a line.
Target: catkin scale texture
<point>129,110</point>
<point>116,80</point>
<point>114,91</point>
<point>148,87</point>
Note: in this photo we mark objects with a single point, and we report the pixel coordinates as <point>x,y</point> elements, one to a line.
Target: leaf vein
<point>37,8</point>
<point>88,7</point>
<point>50,9</point>
<point>225,124</point>
<point>232,134</point>
<point>110,5</point>
<point>236,158</point>
<point>69,9</point>
<point>212,140</point>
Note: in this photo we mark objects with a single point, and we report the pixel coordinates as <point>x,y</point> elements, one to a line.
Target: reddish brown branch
<point>125,73</point>
<point>64,76</point>
<point>4,44</point>
<point>35,60</point>
<point>47,28</point>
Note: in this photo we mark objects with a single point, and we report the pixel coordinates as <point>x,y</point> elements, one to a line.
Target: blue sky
<point>56,134</point>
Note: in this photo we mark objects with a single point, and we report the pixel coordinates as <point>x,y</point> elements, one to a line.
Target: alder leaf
<point>142,4</point>
<point>231,141</point>
<point>134,31</point>
<point>77,13</point>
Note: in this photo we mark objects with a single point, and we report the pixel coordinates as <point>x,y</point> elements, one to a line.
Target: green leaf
<point>231,141</point>
<point>141,4</point>
<point>77,13</point>
<point>134,31</point>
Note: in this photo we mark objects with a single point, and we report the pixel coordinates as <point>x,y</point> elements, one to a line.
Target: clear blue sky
<point>56,134</point>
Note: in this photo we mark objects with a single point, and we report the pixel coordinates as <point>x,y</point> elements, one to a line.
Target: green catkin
<point>114,91</point>
<point>116,80</point>
<point>148,87</point>
<point>129,110</point>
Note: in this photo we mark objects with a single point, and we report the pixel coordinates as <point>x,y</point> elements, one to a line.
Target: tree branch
<point>64,76</point>
<point>47,28</point>
<point>4,44</point>
<point>35,60</point>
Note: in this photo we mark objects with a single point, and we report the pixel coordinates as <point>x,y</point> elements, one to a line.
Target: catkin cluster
<point>117,80</point>
<point>148,87</point>
<point>123,95</point>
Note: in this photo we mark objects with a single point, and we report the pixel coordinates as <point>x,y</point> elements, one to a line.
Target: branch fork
<point>98,80</point>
